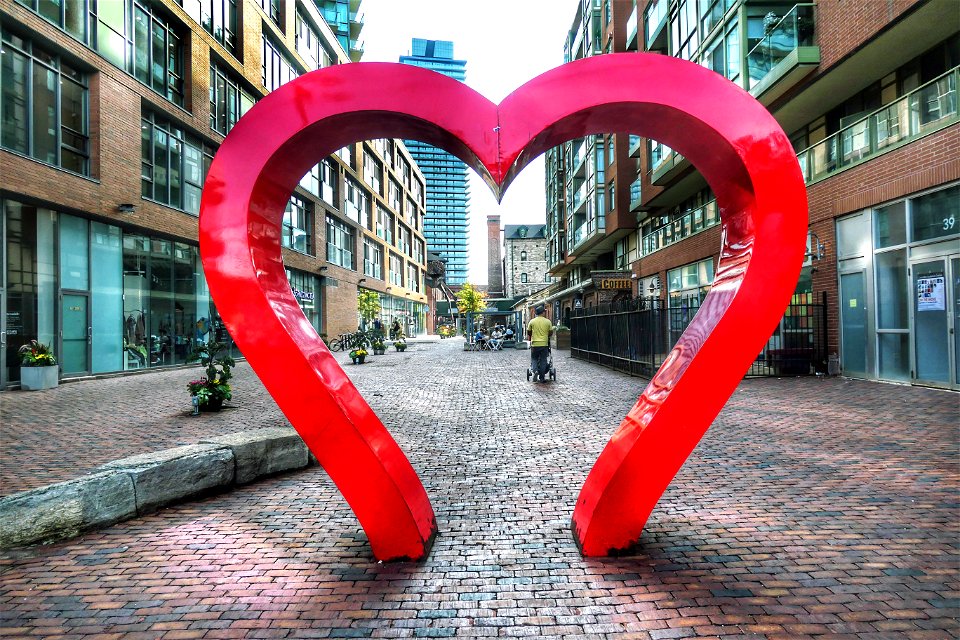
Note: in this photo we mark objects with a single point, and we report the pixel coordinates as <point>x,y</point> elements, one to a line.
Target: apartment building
<point>100,251</point>
<point>448,187</point>
<point>866,91</point>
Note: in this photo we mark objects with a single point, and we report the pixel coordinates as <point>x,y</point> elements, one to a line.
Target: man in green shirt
<point>539,331</point>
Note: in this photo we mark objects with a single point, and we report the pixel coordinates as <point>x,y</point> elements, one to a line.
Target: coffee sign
<point>615,283</point>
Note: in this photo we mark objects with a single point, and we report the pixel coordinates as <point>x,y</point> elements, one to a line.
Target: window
<point>523,256</point>
<point>310,45</point>
<point>228,101</point>
<point>328,182</point>
<point>131,35</point>
<point>396,269</point>
<point>403,240</point>
<point>419,251</point>
<point>689,285</point>
<point>413,278</point>
<point>157,53</point>
<point>69,15</point>
<point>356,204</point>
<point>394,198</point>
<point>372,172</point>
<point>546,277</point>
<point>372,259</point>
<point>272,9</point>
<point>339,243</point>
<point>44,106</point>
<point>298,225</point>
<point>173,165</point>
<point>217,17</point>
<point>277,70</point>
<point>523,277</point>
<point>385,221</point>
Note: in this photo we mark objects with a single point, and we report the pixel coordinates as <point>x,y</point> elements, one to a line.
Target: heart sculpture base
<point>734,142</point>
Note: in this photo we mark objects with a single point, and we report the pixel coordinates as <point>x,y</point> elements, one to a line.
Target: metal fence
<point>636,335</point>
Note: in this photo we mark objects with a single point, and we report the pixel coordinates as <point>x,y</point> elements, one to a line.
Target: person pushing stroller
<point>539,330</point>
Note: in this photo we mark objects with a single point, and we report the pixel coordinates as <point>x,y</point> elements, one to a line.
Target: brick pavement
<point>812,508</point>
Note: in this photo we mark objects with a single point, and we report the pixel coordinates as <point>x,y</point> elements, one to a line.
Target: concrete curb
<point>134,486</point>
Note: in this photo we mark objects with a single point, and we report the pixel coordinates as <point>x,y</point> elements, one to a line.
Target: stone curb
<point>134,486</point>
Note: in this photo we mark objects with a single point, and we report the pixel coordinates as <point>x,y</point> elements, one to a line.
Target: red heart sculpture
<point>723,131</point>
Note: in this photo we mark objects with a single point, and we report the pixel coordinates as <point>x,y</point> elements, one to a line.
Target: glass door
<point>954,318</point>
<point>934,346</point>
<point>76,333</point>
<point>853,324</point>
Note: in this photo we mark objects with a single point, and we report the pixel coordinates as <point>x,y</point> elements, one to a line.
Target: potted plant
<point>379,346</point>
<point>400,344</point>
<point>358,355</point>
<point>561,337</point>
<point>212,389</point>
<point>38,367</point>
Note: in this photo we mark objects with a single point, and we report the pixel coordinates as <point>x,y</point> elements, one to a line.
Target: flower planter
<point>39,378</point>
<point>359,359</point>
<point>401,347</point>
<point>379,352</point>
<point>212,405</point>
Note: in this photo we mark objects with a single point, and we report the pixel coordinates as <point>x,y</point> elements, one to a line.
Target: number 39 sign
<point>734,142</point>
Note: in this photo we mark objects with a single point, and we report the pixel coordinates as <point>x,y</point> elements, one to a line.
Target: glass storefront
<point>104,299</point>
<point>306,289</point>
<point>899,268</point>
<point>412,315</point>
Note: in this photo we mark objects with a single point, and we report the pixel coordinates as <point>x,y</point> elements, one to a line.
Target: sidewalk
<point>811,508</point>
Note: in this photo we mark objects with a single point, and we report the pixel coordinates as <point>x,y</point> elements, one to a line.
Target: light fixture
<point>361,280</point>
<point>126,207</point>
<point>815,248</point>
<point>389,288</point>
<point>322,269</point>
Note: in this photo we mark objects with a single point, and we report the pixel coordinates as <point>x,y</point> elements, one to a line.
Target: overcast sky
<point>505,43</point>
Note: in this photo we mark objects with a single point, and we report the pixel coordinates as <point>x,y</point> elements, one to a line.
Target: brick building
<point>100,254</point>
<point>525,259</point>
<point>866,91</point>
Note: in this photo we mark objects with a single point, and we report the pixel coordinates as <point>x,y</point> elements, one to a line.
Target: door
<point>75,333</point>
<point>853,324</point>
<point>934,334</point>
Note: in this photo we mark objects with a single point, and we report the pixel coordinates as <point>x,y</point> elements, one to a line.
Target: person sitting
<point>508,334</point>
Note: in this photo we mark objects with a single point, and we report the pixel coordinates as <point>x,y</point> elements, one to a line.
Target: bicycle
<point>340,343</point>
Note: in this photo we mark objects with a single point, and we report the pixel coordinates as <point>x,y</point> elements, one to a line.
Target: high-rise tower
<point>448,192</point>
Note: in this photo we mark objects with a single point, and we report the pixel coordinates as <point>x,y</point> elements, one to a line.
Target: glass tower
<point>448,192</point>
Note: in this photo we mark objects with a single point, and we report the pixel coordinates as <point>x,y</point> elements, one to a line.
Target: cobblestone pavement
<point>811,508</point>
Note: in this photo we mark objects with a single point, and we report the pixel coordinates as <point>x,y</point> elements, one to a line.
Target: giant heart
<point>731,139</point>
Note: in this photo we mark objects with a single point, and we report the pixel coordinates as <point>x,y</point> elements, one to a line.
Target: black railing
<point>634,336</point>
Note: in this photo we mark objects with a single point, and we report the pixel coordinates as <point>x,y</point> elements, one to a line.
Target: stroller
<point>551,371</point>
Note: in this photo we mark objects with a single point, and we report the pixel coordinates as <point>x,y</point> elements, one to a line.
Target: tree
<point>470,300</point>
<point>368,303</point>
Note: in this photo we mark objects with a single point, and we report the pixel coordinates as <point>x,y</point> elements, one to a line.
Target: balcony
<point>690,223</point>
<point>636,146</point>
<point>924,110</point>
<point>578,164</point>
<point>356,25</point>
<point>632,28</point>
<point>785,55</point>
<point>668,167</point>
<point>578,198</point>
<point>635,195</point>
<point>356,50</point>
<point>654,21</point>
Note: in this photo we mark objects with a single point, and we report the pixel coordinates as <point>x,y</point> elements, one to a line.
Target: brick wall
<point>845,25</point>
<point>494,259</point>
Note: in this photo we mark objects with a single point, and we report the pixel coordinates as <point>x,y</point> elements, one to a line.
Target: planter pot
<point>212,405</point>
<point>561,340</point>
<point>379,352</point>
<point>359,359</point>
<point>39,378</point>
<point>401,348</point>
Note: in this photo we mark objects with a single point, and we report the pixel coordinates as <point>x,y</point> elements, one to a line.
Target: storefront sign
<point>614,283</point>
<point>578,303</point>
<point>302,295</point>
<point>931,293</point>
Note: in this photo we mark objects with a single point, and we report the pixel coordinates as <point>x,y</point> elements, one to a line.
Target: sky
<point>505,43</point>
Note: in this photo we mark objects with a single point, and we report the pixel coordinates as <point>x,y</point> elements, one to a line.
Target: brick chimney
<point>494,262</point>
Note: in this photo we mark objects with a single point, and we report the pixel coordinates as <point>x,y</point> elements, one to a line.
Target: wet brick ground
<point>812,508</point>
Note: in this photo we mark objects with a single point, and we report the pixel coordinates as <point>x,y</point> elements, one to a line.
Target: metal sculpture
<point>735,143</point>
